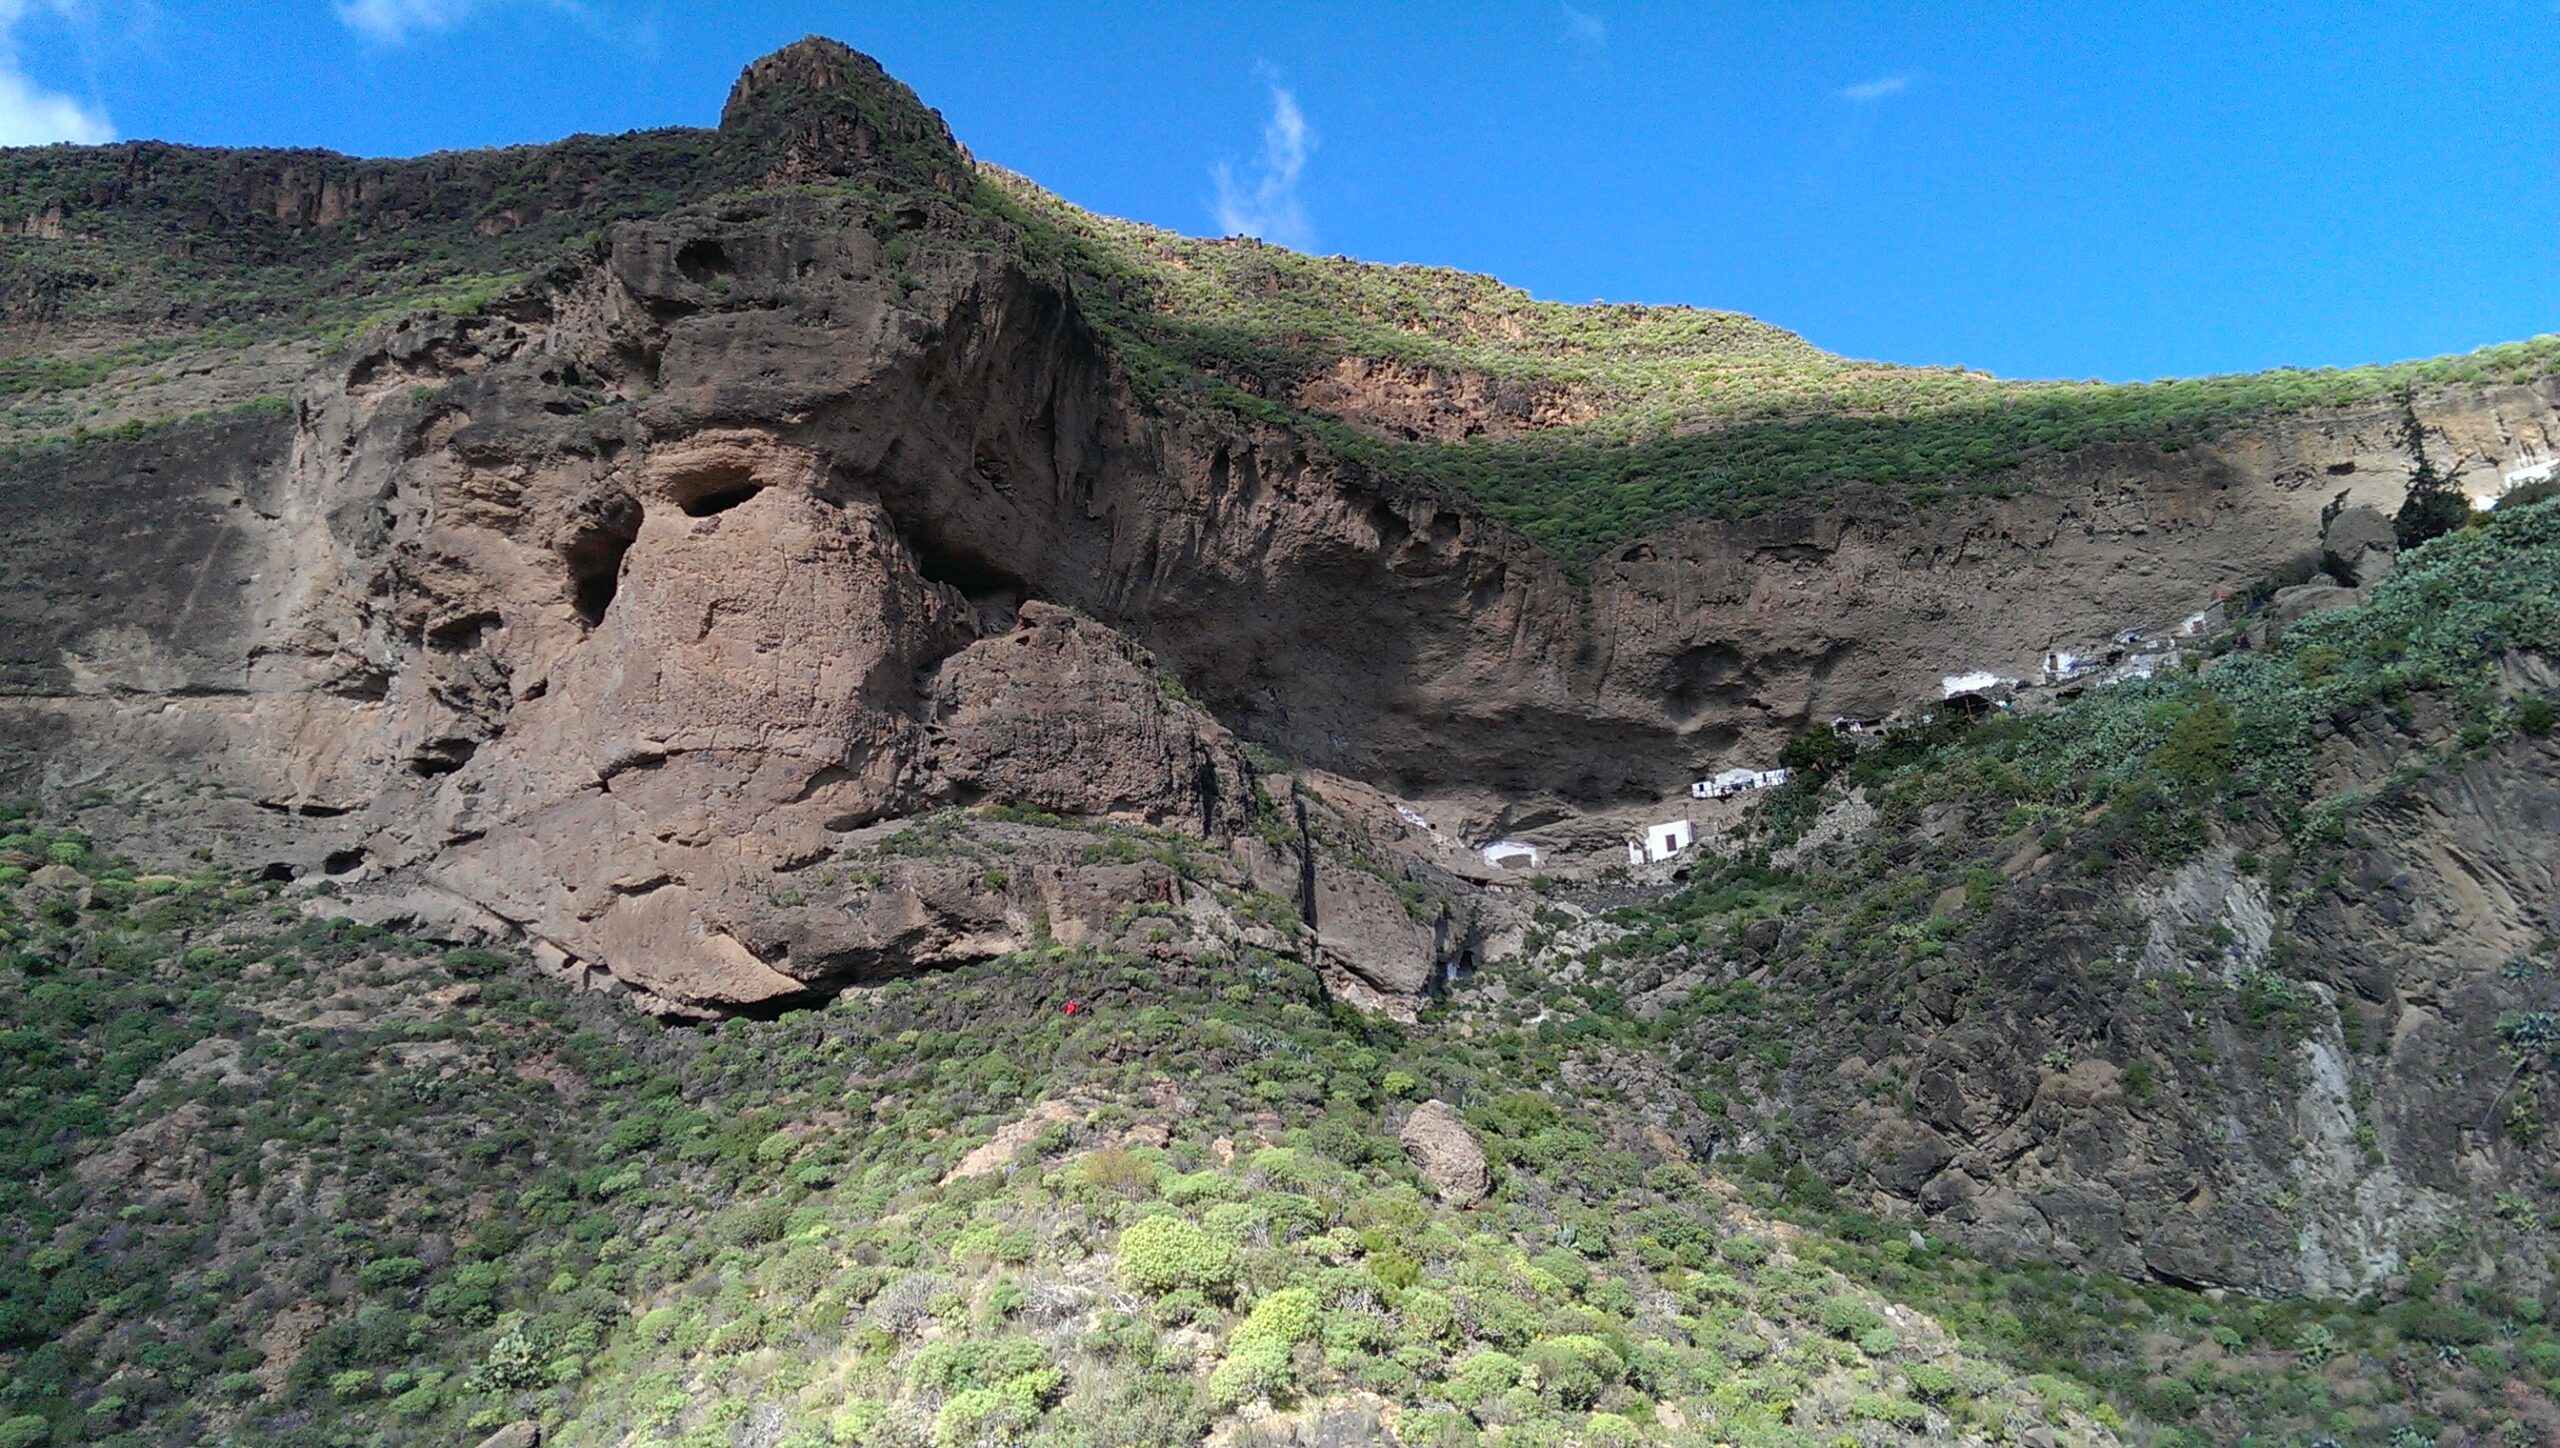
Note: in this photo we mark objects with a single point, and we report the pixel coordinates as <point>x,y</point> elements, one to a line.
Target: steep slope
<point>605,606</point>
<point>2236,979</point>
<point>292,1179</point>
<point>824,560</point>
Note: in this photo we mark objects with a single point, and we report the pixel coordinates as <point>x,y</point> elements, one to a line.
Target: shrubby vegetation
<point>1665,412</point>
<point>277,1179</point>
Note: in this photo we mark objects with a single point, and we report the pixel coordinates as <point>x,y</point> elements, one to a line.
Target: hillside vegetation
<point>130,264</point>
<point>280,1179</point>
<point>1688,411</point>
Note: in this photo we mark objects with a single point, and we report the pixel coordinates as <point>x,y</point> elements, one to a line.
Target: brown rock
<point>1445,1152</point>
<point>523,1433</point>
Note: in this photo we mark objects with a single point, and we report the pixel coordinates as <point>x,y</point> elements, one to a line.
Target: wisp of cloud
<point>1875,90</point>
<point>29,114</point>
<point>390,22</point>
<point>1584,28</point>
<point>1269,207</point>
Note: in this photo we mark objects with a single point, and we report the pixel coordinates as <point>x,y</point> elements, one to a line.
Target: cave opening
<point>702,259</point>
<point>594,555</point>
<point>703,505</point>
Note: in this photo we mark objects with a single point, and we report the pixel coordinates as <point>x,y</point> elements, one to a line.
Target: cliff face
<point>601,607</point>
<point>628,609</point>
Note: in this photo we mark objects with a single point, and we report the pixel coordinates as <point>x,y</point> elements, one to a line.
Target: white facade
<point>2531,468</point>
<point>1979,681</point>
<point>1664,840</point>
<point>1510,855</point>
<point>1737,781</point>
<point>2059,665</point>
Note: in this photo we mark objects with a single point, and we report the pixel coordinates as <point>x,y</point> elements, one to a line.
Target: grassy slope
<point>1695,411</point>
<point>468,1197</point>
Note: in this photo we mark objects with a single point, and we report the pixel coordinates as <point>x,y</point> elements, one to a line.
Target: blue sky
<point>2053,189</point>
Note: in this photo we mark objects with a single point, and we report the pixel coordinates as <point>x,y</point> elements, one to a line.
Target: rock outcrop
<point>601,611</point>
<point>1445,1152</point>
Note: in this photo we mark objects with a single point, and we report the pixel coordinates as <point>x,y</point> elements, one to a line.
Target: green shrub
<point>1159,1254</point>
<point>1930,1383</point>
<point>1743,1251</point>
<point>25,1431</point>
<point>1484,1374</point>
<point>1842,1315</point>
<point>1575,1369</point>
<point>384,1273</point>
<point>1886,1408</point>
<point>976,1415</point>
<point>352,1383</point>
<point>1611,1430</point>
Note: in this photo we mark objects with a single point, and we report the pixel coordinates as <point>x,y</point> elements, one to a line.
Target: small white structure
<point>1978,681</point>
<point>1855,724</point>
<point>1664,840</point>
<point>1510,855</point>
<point>2533,467</point>
<point>1737,781</point>
<point>2140,666</point>
<point>2059,666</point>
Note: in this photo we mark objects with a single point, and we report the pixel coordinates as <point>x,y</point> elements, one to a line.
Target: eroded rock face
<point>2059,1102</point>
<point>779,518</point>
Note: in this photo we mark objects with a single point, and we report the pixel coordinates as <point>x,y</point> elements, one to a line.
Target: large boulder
<point>2357,546</point>
<point>1446,1153</point>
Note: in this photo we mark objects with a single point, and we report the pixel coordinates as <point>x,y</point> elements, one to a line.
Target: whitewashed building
<point>2533,467</point>
<point>1669,838</point>
<point>1731,782</point>
<point>2060,665</point>
<point>1510,855</point>
<point>1977,681</point>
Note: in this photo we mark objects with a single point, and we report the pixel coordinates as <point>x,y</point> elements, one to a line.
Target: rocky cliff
<point>639,607</point>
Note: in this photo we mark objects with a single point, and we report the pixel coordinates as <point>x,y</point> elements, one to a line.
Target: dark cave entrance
<point>594,558</point>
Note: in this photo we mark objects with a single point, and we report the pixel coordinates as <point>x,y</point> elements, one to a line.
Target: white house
<point>2059,665</point>
<point>1664,840</point>
<point>1510,855</point>
<point>2531,468</point>
<point>1856,724</point>
<point>2140,666</point>
<point>1978,681</point>
<point>1737,781</point>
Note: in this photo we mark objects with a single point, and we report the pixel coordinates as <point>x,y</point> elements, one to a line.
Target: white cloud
<point>30,115</point>
<point>392,22</point>
<point>1269,207</point>
<point>1875,90</point>
<point>1584,28</point>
